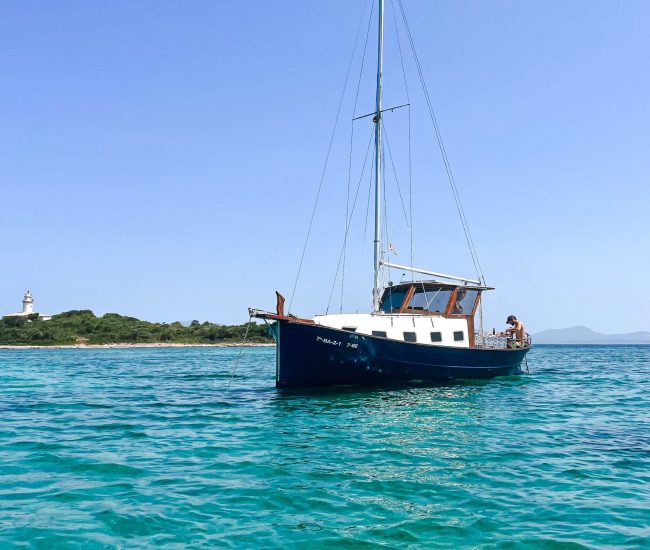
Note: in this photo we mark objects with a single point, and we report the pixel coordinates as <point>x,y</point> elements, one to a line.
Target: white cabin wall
<point>396,324</point>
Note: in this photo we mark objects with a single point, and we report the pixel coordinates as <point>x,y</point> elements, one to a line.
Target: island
<point>83,327</point>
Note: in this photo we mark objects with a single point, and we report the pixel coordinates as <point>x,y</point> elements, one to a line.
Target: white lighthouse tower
<point>28,308</point>
<point>28,303</point>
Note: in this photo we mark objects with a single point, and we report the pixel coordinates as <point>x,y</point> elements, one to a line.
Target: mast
<point>377,119</point>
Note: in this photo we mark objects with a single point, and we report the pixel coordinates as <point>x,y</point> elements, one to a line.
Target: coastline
<point>143,345</point>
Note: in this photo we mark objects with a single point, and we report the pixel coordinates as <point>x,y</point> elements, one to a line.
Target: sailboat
<point>420,330</point>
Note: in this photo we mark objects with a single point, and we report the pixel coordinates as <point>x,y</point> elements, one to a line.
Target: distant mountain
<point>584,335</point>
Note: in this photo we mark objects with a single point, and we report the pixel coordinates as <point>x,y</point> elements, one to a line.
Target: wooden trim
<point>451,303</point>
<point>470,331</point>
<point>279,304</point>
<point>478,299</point>
<point>410,311</point>
<point>407,299</point>
<point>461,315</point>
<point>291,319</point>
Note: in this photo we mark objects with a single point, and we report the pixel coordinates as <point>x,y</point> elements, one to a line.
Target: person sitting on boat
<point>517,330</point>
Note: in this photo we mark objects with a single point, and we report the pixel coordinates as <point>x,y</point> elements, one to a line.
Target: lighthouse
<point>28,303</point>
<point>28,308</point>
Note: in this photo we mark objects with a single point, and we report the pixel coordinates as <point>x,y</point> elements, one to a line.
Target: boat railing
<point>490,340</point>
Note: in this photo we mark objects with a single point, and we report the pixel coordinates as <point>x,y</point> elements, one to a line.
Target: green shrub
<point>114,328</point>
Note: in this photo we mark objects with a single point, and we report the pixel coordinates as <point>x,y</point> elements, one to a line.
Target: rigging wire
<point>347,211</point>
<point>399,189</point>
<point>365,227</point>
<point>349,222</point>
<point>354,112</point>
<point>327,156</point>
<point>410,197</point>
<point>443,152</point>
<point>408,100</point>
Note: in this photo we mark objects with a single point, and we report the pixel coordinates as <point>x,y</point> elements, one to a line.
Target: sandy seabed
<point>149,345</point>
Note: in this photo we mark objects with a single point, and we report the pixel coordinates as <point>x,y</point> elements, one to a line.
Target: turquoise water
<point>143,448</point>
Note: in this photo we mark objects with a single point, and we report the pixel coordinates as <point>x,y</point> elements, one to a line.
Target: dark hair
<point>511,318</point>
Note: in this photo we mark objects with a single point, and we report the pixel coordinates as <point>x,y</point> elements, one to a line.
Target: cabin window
<point>436,337</point>
<point>392,300</point>
<point>434,300</point>
<point>465,302</point>
<point>410,337</point>
<point>459,336</point>
<point>381,333</point>
<point>350,329</point>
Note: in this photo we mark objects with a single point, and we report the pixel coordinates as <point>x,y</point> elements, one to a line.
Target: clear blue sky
<point>160,158</point>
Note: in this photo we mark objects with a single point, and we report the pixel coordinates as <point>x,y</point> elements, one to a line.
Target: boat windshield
<point>434,300</point>
<point>465,302</point>
<point>392,300</point>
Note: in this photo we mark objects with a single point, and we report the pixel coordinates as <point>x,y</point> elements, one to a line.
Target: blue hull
<point>313,355</point>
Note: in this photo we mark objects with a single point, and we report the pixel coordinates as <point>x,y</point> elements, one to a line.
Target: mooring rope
<point>241,348</point>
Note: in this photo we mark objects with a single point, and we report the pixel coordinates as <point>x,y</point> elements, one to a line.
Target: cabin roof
<point>434,285</point>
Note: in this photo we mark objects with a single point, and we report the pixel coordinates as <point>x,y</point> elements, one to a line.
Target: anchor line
<point>241,348</point>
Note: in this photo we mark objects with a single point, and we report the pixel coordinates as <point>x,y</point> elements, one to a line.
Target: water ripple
<point>147,448</point>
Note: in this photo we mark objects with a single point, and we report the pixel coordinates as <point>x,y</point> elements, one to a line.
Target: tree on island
<point>68,327</point>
